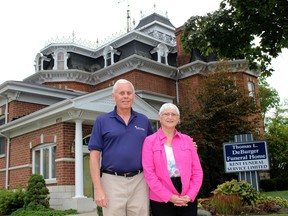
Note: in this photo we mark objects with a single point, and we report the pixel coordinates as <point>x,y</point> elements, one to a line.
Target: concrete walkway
<point>94,213</point>
<point>201,212</point>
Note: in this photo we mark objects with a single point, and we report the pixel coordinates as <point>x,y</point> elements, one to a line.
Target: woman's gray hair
<point>169,106</point>
<point>122,81</point>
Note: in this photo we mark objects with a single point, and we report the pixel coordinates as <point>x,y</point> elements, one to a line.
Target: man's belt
<point>128,174</point>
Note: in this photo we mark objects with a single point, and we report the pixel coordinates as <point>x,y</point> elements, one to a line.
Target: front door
<point>88,185</point>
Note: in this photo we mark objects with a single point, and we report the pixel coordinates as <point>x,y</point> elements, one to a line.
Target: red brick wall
<point>19,109</point>
<point>182,57</point>
<point>188,89</point>
<point>144,81</point>
<point>71,85</point>
<point>21,154</point>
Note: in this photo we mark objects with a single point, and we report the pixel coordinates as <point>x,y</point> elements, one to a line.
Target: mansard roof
<point>154,18</point>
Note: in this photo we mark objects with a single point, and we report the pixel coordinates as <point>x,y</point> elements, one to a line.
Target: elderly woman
<point>171,167</point>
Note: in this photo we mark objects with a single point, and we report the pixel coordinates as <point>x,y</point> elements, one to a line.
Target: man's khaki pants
<point>127,196</point>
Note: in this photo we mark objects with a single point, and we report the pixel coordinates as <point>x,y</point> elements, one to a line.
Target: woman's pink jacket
<point>155,169</point>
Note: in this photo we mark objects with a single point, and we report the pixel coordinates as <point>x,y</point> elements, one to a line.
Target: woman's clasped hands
<point>180,200</point>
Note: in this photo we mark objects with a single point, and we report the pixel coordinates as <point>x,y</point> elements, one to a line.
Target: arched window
<point>162,53</point>
<point>60,57</point>
<point>108,55</point>
<point>39,62</point>
<point>60,61</point>
<point>251,89</point>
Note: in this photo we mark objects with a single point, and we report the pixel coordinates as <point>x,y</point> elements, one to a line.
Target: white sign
<point>248,156</point>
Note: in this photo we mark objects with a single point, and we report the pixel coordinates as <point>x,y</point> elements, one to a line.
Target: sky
<point>27,26</point>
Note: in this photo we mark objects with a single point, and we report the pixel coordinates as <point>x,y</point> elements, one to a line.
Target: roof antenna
<point>128,18</point>
<point>128,14</point>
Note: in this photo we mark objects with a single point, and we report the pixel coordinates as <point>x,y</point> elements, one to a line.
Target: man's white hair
<point>122,81</point>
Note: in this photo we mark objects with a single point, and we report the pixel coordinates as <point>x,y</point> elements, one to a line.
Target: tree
<point>225,111</point>
<point>36,196</point>
<point>255,30</point>
<point>269,97</point>
<point>277,138</point>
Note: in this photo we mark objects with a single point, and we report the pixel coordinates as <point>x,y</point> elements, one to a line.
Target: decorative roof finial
<point>154,7</point>
<point>73,36</point>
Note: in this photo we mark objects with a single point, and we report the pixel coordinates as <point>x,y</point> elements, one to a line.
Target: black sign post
<point>247,157</point>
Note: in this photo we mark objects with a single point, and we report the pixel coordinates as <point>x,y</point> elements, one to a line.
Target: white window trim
<point>108,50</point>
<point>251,89</point>
<point>39,62</point>
<point>55,56</point>
<point>162,51</point>
<point>41,147</point>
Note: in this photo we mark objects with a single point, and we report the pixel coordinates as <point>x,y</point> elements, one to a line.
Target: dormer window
<point>39,62</point>
<point>162,53</point>
<point>108,55</point>
<point>60,59</point>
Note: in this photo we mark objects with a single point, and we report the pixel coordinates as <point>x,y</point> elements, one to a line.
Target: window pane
<point>37,162</point>
<point>53,165</point>
<point>60,61</point>
<point>46,163</point>
<point>2,145</point>
<point>60,56</point>
<point>60,65</point>
<point>251,89</point>
<point>2,121</point>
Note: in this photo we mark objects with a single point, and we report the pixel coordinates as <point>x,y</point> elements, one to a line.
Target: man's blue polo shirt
<point>120,144</point>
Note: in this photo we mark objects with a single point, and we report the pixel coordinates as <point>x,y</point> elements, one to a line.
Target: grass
<point>282,194</point>
<point>272,215</point>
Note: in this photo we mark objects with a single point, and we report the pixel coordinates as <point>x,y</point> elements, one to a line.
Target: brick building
<point>46,119</point>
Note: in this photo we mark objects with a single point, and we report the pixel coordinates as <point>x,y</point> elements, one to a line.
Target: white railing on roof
<point>84,43</point>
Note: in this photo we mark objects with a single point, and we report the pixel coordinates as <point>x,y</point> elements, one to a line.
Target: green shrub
<point>36,196</point>
<point>276,200</point>
<point>246,192</point>
<point>268,185</point>
<point>276,184</point>
<point>11,200</point>
<point>47,212</point>
<point>281,184</point>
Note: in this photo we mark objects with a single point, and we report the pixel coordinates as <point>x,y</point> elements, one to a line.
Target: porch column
<point>78,159</point>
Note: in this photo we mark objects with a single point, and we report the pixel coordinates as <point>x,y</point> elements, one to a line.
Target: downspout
<point>177,86</point>
<point>7,160</point>
<point>8,145</point>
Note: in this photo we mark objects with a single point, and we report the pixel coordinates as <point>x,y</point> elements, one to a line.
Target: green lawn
<point>273,215</point>
<point>282,194</point>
